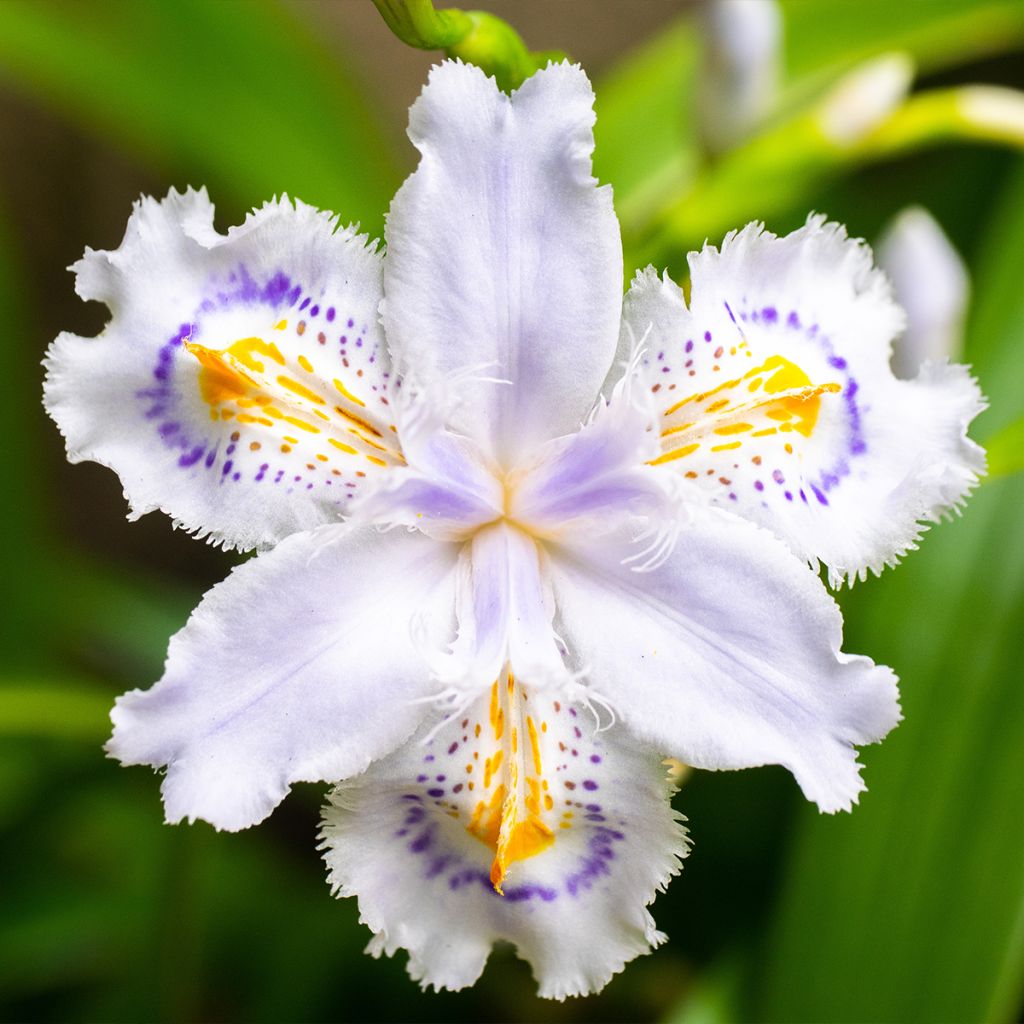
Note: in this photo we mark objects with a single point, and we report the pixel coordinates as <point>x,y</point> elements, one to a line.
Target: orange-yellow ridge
<point>510,820</point>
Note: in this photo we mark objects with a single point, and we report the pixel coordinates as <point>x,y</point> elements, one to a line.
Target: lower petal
<point>726,655</point>
<point>426,838</point>
<point>304,665</point>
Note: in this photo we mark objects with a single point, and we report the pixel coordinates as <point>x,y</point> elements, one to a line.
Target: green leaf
<point>830,34</point>
<point>60,709</point>
<point>912,907</point>
<point>1006,450</point>
<point>241,96</point>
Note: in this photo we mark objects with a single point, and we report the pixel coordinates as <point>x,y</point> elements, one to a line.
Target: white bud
<point>998,110</point>
<point>865,97</point>
<point>740,76</point>
<point>931,284</point>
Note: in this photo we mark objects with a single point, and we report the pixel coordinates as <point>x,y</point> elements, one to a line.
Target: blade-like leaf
<point>912,908</point>
<point>239,95</point>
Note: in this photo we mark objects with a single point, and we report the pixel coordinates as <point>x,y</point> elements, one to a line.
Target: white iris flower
<point>608,521</point>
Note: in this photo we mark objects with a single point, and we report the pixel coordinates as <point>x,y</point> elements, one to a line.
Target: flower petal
<point>725,655</point>
<point>447,491</point>
<point>418,839</point>
<point>504,257</point>
<point>303,665</point>
<point>504,614</point>
<point>595,478</point>
<point>242,383</point>
<point>778,402</point>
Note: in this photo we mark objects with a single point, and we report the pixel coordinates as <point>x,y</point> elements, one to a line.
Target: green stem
<point>475,37</point>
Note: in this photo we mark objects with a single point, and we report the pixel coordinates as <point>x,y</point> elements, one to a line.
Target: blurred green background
<point>910,909</point>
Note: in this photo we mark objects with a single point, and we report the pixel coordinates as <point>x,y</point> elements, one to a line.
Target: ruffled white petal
<point>304,665</point>
<point>778,402</point>
<point>504,257</point>
<point>725,655</point>
<point>416,840</point>
<point>242,384</point>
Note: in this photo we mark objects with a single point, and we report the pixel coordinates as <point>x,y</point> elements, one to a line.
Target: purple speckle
<point>758,486</point>
<point>821,497</point>
<point>351,322</point>
<point>305,302</point>
<point>192,457</point>
<point>422,841</point>
<point>315,311</point>
<point>689,346</point>
<point>421,778</point>
<point>226,468</point>
<point>788,496</point>
<point>770,314</point>
<point>707,335</point>
<point>330,313</point>
<point>435,792</point>
<point>778,477</point>
<point>453,748</point>
<point>589,784</point>
<point>793,320</point>
<point>837,361</point>
<point>595,758</point>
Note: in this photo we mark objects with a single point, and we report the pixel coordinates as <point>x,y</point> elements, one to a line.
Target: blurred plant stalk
<point>475,37</point>
<point>868,115</point>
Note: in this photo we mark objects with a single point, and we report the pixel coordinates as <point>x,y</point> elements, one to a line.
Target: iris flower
<point>519,540</point>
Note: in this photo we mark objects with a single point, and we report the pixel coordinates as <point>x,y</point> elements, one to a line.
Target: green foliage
<point>237,95</point>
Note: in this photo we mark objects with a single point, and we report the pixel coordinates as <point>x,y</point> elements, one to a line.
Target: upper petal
<point>305,664</point>
<point>778,402</point>
<point>726,655</point>
<point>242,383</point>
<point>519,793</point>
<point>504,257</point>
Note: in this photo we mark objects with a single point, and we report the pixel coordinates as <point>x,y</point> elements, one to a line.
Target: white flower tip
<point>931,283</point>
<point>865,97</point>
<point>742,58</point>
